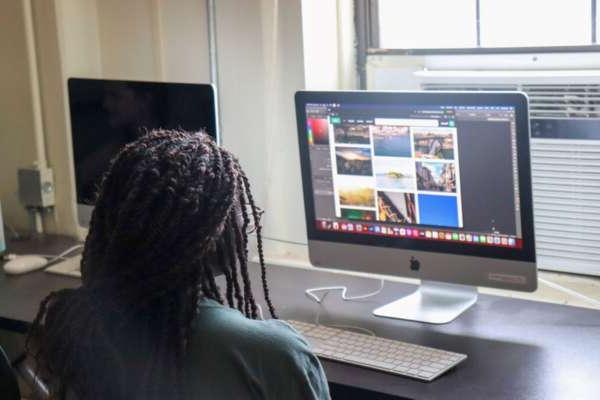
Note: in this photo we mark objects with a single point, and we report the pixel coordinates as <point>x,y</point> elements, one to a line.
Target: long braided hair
<point>174,210</point>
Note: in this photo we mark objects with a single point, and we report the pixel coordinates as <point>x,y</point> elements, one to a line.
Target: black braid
<point>165,222</point>
<point>259,243</point>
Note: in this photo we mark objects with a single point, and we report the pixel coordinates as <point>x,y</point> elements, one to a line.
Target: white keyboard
<point>392,356</point>
<point>69,266</point>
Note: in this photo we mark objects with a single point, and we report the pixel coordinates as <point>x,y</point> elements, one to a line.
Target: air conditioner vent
<point>566,197</point>
<point>563,101</point>
<point>467,86</point>
<point>556,101</point>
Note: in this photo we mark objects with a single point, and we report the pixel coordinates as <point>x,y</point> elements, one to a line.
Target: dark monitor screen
<point>107,114</point>
<point>430,172</point>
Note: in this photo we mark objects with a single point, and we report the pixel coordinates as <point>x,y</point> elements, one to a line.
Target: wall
<point>261,65</point>
<point>260,68</point>
<point>128,39</point>
<point>20,129</point>
<point>141,39</point>
<point>184,40</point>
<point>58,45</point>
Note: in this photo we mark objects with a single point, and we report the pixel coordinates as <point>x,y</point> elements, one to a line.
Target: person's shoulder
<point>282,336</point>
<point>218,321</point>
<point>271,351</point>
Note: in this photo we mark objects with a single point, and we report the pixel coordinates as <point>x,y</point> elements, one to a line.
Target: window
<point>519,23</point>
<point>415,24</point>
<point>469,34</point>
<point>472,26</point>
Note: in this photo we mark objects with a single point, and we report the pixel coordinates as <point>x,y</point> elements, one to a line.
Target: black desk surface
<point>517,349</point>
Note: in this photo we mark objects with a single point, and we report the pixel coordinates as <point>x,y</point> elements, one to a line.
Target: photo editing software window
<point>445,173</point>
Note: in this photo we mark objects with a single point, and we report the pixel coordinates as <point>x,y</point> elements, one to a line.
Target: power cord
<point>260,312</point>
<point>50,258</point>
<point>273,239</point>
<point>64,254</point>
<point>319,300</point>
<point>318,322</point>
<point>327,289</point>
<point>569,291</point>
<point>341,326</point>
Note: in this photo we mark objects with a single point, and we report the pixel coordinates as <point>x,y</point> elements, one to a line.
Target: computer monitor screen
<point>436,172</point>
<point>444,173</point>
<point>107,114</point>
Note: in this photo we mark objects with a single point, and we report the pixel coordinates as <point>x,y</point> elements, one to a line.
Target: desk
<point>517,349</point>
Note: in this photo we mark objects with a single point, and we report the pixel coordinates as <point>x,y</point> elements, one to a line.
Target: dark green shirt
<point>233,357</point>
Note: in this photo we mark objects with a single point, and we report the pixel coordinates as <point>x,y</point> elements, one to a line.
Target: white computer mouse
<point>24,264</point>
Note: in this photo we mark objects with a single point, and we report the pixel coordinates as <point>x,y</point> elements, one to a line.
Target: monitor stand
<point>433,302</point>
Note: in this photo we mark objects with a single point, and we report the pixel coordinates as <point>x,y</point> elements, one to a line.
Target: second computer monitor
<point>107,114</point>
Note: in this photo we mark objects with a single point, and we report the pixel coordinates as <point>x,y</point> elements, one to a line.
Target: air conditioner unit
<point>565,153</point>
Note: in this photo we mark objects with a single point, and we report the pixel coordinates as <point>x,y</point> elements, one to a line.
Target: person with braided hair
<point>150,321</point>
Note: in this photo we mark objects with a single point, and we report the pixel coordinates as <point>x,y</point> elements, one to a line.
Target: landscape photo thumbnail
<point>434,143</point>
<point>357,196</point>
<point>394,173</point>
<point>353,161</point>
<point>362,215</point>
<point>397,207</point>
<point>436,176</point>
<point>352,134</point>
<point>391,141</point>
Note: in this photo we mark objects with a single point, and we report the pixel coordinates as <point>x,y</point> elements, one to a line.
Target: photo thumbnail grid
<point>399,174</point>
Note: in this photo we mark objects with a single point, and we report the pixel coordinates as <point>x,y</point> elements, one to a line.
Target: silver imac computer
<point>107,114</point>
<point>427,185</point>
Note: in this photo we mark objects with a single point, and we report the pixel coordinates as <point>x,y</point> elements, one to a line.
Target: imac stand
<point>433,302</point>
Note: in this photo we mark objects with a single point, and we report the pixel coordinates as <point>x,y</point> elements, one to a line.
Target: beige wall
<point>18,125</point>
<point>260,67</point>
<point>128,39</point>
<point>138,39</point>
<point>78,29</point>
<point>184,40</point>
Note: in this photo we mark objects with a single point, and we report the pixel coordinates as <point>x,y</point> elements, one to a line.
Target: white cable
<point>260,312</point>
<point>49,256</point>
<point>340,326</point>
<point>344,289</point>
<point>356,328</point>
<point>273,239</point>
<point>570,291</point>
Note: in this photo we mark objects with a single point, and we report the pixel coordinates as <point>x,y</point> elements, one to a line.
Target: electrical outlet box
<point>36,187</point>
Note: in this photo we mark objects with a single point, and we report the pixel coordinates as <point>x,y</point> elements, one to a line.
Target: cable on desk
<point>344,289</point>
<point>345,297</point>
<point>51,257</point>
<point>310,292</point>
<point>569,291</point>
<point>341,326</point>
<point>65,253</point>
<point>273,239</point>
